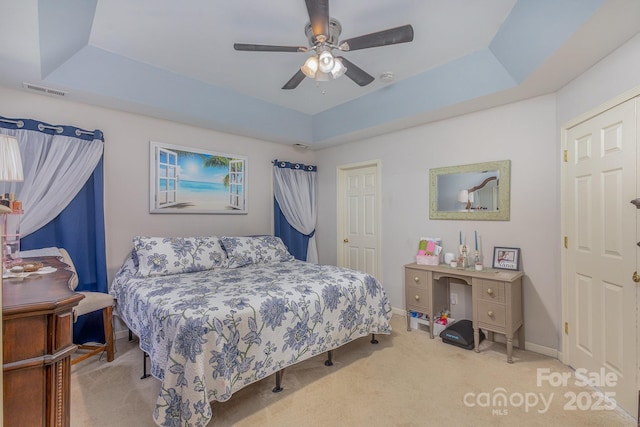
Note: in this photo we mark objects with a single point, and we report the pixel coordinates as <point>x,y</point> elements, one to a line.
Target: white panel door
<point>360,225</point>
<point>601,256</point>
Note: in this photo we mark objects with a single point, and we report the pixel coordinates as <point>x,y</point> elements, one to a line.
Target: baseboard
<point>124,333</point>
<point>398,311</point>
<point>119,328</point>
<point>540,349</point>
<point>529,346</point>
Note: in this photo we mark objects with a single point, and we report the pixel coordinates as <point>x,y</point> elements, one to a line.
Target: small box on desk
<point>428,259</point>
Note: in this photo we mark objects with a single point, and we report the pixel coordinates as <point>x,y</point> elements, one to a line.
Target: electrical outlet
<point>454,299</point>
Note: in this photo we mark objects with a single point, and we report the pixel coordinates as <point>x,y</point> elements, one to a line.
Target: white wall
<point>126,170</point>
<point>613,76</point>
<point>525,133</point>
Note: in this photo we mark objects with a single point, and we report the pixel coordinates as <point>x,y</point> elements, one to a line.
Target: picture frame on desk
<point>506,258</point>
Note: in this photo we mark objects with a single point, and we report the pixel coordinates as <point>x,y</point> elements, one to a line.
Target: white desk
<point>496,298</point>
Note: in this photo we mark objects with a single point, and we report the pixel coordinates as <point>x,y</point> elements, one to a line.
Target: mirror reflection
<point>468,191</point>
<point>477,191</point>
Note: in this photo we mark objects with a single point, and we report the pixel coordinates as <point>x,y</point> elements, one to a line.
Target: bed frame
<point>277,389</point>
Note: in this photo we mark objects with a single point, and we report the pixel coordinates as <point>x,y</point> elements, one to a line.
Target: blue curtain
<point>79,228</point>
<point>294,207</point>
<point>296,242</point>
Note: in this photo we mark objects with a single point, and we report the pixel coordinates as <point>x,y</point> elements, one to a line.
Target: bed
<point>217,314</point>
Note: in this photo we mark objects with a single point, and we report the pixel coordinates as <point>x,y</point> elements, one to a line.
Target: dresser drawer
<point>491,291</point>
<point>490,313</point>
<point>417,299</point>
<point>417,278</point>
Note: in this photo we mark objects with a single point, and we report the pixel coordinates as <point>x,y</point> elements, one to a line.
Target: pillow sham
<point>243,251</point>
<point>161,256</point>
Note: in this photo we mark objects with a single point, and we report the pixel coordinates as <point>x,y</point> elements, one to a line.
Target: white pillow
<point>243,251</point>
<point>161,256</point>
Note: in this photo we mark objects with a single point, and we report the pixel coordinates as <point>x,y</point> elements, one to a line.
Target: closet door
<point>359,218</point>
<point>600,224</point>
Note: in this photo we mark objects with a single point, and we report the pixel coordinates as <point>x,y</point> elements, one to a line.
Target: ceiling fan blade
<point>355,73</point>
<point>319,17</point>
<point>268,48</point>
<point>396,35</point>
<point>294,81</point>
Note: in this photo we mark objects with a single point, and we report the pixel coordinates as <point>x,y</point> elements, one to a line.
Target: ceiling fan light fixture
<point>326,61</point>
<point>310,67</point>
<point>338,68</point>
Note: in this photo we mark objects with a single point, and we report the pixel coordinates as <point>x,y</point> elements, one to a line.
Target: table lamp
<point>466,197</point>
<point>10,164</point>
<point>10,170</point>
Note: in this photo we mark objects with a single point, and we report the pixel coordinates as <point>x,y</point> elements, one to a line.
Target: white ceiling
<point>175,59</point>
<point>197,41</point>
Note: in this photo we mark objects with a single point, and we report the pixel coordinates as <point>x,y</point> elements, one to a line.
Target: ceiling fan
<point>323,33</point>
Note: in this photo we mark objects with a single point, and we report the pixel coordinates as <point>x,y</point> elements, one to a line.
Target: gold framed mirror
<point>479,191</point>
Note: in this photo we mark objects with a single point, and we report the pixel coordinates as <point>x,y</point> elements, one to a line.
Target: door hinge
<point>566,328</point>
<point>566,242</point>
<point>566,156</point>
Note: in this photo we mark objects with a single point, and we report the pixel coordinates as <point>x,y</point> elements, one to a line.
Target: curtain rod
<point>297,166</point>
<point>41,127</point>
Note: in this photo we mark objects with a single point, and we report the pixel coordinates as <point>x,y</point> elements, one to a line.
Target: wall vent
<point>44,90</point>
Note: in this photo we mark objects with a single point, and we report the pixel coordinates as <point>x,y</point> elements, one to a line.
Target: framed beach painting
<point>193,180</point>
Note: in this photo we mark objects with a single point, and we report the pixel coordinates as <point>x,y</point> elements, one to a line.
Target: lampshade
<point>338,68</point>
<point>322,77</point>
<point>463,196</point>
<point>10,161</point>
<point>325,61</point>
<point>310,67</point>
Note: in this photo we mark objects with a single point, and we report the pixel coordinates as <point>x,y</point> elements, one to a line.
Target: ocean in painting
<point>203,195</point>
<point>199,187</point>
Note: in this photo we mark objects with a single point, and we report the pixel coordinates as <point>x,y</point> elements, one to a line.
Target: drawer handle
<point>416,279</point>
<point>490,313</point>
<point>490,291</point>
<point>417,297</point>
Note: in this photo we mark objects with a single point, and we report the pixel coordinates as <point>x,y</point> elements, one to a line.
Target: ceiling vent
<point>43,90</point>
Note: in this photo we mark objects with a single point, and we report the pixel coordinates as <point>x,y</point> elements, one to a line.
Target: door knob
<point>346,240</point>
<point>636,277</point>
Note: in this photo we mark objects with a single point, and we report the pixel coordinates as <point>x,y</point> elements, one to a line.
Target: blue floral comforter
<point>210,333</point>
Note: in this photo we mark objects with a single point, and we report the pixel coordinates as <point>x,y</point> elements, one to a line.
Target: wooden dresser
<point>496,295</point>
<point>37,346</point>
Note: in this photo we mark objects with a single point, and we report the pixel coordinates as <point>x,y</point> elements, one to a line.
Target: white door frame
<point>341,172</point>
<point>564,232</point>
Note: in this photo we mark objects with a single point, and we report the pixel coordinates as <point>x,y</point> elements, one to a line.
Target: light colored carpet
<point>405,380</point>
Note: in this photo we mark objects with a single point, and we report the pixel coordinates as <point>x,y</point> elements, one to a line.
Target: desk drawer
<point>417,278</point>
<point>417,299</point>
<point>491,290</point>
<point>491,313</point>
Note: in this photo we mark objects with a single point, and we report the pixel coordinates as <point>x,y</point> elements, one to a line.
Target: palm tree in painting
<point>214,161</point>
<point>209,161</point>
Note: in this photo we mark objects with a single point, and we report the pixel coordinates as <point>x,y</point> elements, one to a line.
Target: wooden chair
<point>91,302</point>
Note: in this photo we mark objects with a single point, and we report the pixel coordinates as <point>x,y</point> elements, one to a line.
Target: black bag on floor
<point>460,334</point>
